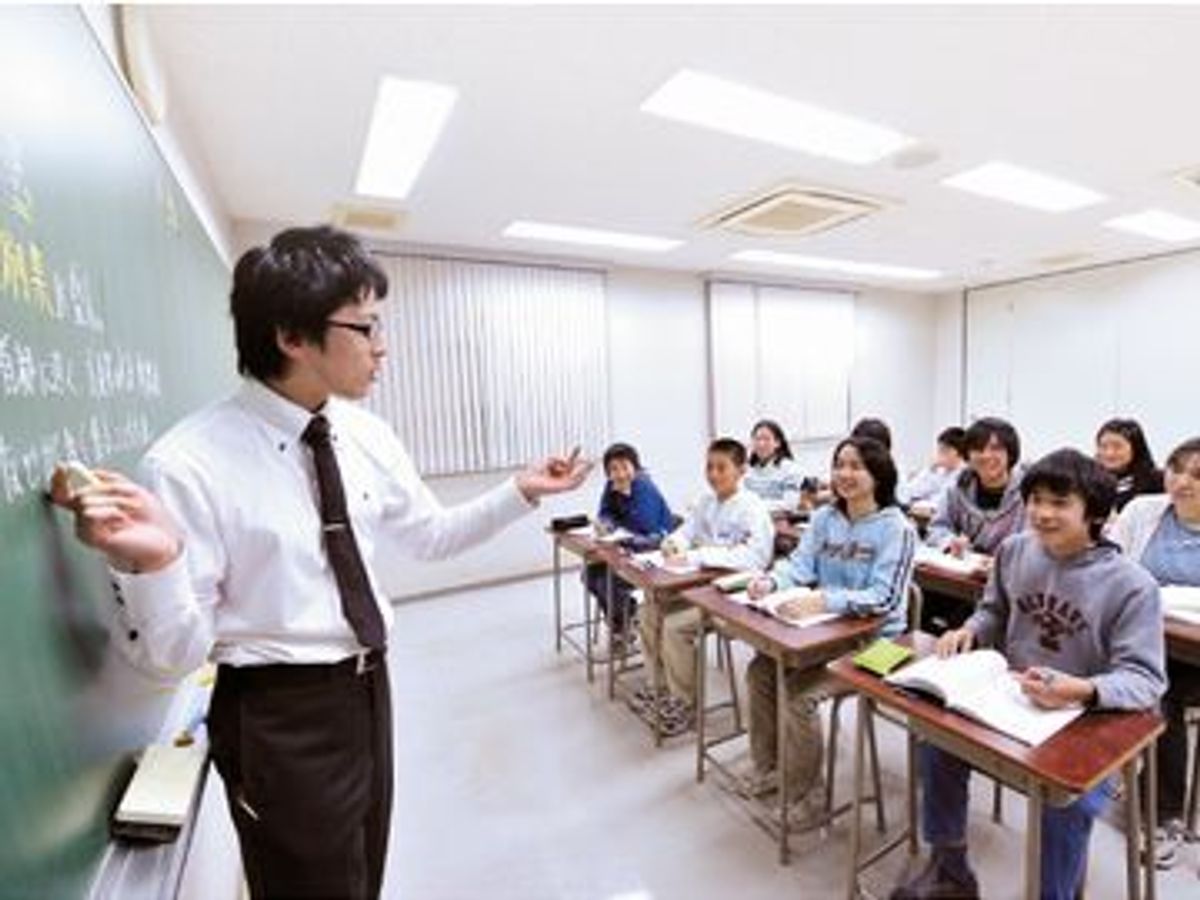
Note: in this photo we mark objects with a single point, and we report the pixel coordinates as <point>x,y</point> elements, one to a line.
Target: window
<point>782,353</point>
<point>492,365</point>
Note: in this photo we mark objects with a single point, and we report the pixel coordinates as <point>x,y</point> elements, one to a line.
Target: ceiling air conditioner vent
<point>793,212</point>
<point>373,219</point>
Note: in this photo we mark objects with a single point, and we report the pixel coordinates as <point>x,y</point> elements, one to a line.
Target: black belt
<point>282,675</point>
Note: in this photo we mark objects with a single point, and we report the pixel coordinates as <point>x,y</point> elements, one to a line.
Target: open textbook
<point>969,563</point>
<point>783,605</point>
<point>1181,602</point>
<point>979,685</point>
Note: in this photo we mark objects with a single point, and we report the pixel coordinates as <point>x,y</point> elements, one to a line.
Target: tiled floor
<point>519,781</point>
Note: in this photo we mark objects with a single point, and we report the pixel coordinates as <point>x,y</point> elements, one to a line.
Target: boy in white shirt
<point>729,528</point>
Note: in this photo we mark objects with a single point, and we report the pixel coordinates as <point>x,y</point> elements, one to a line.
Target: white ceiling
<point>547,125</point>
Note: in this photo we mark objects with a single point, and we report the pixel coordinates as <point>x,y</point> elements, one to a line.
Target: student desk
<point>1183,641</point>
<point>1072,762</point>
<point>659,587</point>
<point>789,646</point>
<point>588,550</point>
<point>961,586</point>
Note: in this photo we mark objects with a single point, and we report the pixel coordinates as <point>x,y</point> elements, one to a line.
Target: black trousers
<point>306,755</point>
<point>595,576</point>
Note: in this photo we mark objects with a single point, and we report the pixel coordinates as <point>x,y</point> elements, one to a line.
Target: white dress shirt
<point>253,584</point>
<point>736,533</point>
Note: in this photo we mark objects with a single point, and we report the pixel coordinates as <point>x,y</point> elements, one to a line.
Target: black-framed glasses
<point>372,330</point>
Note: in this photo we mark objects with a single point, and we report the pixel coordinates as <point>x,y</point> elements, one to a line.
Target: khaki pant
<point>680,631</point>
<point>806,689</point>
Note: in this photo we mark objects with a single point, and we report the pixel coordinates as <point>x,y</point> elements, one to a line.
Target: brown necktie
<point>358,601</point>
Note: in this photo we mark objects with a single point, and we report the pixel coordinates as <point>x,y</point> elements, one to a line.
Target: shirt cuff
<point>148,596</point>
<point>523,503</point>
<point>836,602</point>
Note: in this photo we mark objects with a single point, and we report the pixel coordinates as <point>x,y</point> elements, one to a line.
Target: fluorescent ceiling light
<point>1155,223</point>
<point>1024,187</point>
<point>592,237</point>
<point>712,102</point>
<point>842,266</point>
<point>406,122</point>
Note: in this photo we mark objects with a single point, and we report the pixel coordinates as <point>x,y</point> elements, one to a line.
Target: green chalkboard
<point>113,324</point>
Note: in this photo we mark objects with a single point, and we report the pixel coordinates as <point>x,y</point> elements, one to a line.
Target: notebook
<point>781,605</point>
<point>980,686</point>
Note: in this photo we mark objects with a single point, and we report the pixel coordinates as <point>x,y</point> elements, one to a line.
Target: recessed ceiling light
<point>592,237</point>
<point>406,122</point>
<point>711,102</point>
<point>1024,187</point>
<point>1158,224</point>
<point>843,266</point>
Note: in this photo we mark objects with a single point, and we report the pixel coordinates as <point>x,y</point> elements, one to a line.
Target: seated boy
<point>1079,624</point>
<point>631,501</point>
<point>729,528</point>
<point>925,487</point>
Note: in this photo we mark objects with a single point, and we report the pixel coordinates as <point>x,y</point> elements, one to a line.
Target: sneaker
<point>675,715</point>
<point>807,811</point>
<point>756,784</point>
<point>938,881</point>
<point>642,698</point>
<point>1168,841</point>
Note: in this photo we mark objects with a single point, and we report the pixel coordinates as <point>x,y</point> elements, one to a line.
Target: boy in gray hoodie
<point>1079,624</point>
<point>979,509</point>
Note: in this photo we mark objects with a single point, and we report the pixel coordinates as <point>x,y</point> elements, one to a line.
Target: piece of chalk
<point>79,476</point>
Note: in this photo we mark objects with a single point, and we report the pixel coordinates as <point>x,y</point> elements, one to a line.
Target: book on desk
<point>979,685</point>
<point>1181,602</point>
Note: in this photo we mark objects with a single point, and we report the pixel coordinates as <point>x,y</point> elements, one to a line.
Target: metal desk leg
<point>557,597</point>
<point>913,844</point>
<point>588,629</point>
<point>1148,862</point>
<point>701,655</point>
<point>781,755</point>
<point>864,710</point>
<point>1133,830</point>
<point>1033,844</point>
<point>612,643</point>
<point>656,668</point>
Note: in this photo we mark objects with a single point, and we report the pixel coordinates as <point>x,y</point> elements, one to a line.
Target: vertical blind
<point>781,353</point>
<point>492,365</point>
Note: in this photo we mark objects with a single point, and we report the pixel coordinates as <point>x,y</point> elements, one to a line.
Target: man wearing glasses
<point>269,524</point>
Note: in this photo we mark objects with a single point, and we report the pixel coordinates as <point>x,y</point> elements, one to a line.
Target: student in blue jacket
<point>857,558</point>
<point>630,501</point>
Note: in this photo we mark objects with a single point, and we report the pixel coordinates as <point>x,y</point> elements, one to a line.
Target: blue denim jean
<point>1066,830</point>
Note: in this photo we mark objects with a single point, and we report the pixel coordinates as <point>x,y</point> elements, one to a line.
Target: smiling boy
<point>1079,624</point>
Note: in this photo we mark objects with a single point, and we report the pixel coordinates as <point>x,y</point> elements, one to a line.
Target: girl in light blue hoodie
<point>857,555</point>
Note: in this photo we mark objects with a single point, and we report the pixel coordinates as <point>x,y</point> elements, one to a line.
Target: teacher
<point>268,524</point>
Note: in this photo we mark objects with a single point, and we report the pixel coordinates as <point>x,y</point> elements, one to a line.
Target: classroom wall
<point>948,359</point>
<point>176,139</point>
<point>658,362</point>
<point>1061,354</point>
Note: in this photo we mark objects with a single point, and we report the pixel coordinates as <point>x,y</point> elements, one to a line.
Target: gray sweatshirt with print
<point>1096,615</point>
<point>959,513</point>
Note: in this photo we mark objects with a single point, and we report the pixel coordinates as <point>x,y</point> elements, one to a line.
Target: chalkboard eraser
<point>157,801</point>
